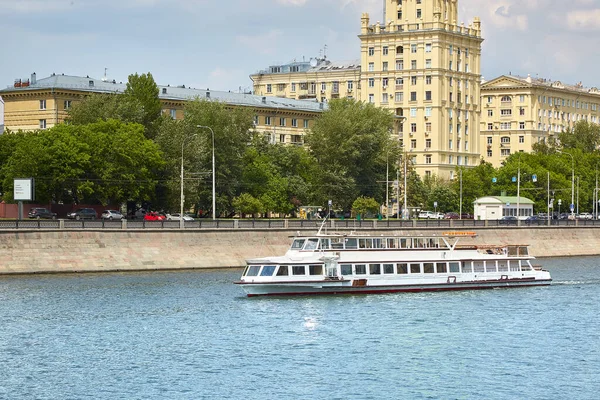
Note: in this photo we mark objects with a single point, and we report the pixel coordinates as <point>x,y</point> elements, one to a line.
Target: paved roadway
<point>280,224</point>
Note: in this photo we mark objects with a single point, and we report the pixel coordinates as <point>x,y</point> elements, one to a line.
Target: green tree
<point>101,107</point>
<point>247,204</point>
<point>351,144</point>
<point>143,90</point>
<point>363,205</point>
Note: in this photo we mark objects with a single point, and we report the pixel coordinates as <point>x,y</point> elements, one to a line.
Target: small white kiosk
<point>496,207</point>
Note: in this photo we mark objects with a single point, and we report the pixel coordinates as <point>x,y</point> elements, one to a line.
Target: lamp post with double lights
<point>213,169</point>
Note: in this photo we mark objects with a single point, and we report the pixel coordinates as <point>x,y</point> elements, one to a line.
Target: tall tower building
<point>426,67</point>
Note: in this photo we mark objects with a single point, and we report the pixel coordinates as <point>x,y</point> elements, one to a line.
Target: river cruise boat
<point>352,263</point>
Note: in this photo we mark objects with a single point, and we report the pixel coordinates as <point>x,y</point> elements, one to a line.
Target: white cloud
<point>583,20</point>
<point>264,44</point>
<point>292,2</point>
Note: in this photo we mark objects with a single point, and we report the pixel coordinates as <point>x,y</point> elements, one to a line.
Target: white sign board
<point>24,190</point>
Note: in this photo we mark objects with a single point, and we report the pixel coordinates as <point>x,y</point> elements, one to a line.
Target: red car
<point>154,216</point>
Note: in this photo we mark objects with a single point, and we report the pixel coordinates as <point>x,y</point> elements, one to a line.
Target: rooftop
<point>93,85</point>
<point>578,87</point>
<point>314,65</point>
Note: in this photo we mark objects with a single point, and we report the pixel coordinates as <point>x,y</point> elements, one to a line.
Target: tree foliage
<point>363,204</point>
<point>102,107</point>
<point>352,146</point>
<point>142,89</point>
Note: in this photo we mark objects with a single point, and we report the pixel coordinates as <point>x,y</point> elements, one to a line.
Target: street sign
<point>494,180</point>
<point>435,204</point>
<point>514,178</point>
<point>534,178</point>
<point>572,207</point>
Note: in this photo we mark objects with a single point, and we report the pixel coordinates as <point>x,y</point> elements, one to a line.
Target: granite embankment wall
<point>93,251</point>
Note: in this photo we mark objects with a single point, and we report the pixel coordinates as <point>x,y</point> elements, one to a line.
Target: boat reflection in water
<point>352,263</point>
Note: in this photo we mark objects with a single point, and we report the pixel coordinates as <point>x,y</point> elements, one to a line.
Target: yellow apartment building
<point>518,112</point>
<point>317,79</point>
<point>421,64</point>
<point>40,104</point>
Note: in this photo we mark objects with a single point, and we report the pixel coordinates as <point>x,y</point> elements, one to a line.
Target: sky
<point>218,44</point>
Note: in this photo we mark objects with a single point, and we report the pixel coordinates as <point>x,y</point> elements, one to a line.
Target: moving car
<point>427,215</point>
<point>585,216</point>
<point>175,217</point>
<point>39,213</point>
<point>154,216</point>
<point>83,213</point>
<point>112,215</point>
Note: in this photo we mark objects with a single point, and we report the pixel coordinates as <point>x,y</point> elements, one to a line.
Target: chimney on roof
<point>164,90</point>
<point>528,78</point>
<point>264,100</point>
<point>33,79</point>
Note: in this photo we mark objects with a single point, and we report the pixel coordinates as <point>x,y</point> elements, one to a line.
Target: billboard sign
<point>24,189</point>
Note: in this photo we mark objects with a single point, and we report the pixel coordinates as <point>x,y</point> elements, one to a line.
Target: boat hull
<point>345,287</point>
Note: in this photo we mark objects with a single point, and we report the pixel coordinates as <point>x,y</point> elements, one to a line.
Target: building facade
<point>41,104</point>
<point>519,112</point>
<point>422,65</point>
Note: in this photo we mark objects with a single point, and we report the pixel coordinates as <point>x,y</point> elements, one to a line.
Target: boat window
<point>512,251</point>
<point>388,268</point>
<point>245,271</point>
<point>346,269</point>
<point>324,244</point>
<point>523,251</point>
<point>513,266</point>
<point>405,243</point>
<point>402,269</point>
<point>299,270</point>
<point>283,270</point>
<point>467,267</point>
<point>365,243</point>
<point>311,244</point>
<point>337,243</point>
<point>351,243</point>
<point>441,268</point>
<point>478,266</point>
<point>455,267</point>
<point>392,243</point>
<point>433,243</point>
<point>315,270</point>
<point>360,269</point>
<point>379,243</point>
<point>490,266</point>
<point>267,270</point>
<point>297,244</point>
<point>526,266</point>
<point>253,270</point>
<point>375,269</point>
<point>415,268</point>
<point>502,266</point>
<point>428,268</point>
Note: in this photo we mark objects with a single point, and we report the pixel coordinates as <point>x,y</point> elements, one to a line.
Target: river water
<point>193,335</point>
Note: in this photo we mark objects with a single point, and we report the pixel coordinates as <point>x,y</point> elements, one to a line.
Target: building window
<point>428,127</point>
<point>294,122</point>
<point>281,121</point>
<point>505,152</point>
<point>323,86</point>
<point>413,96</point>
<point>522,99</point>
<point>371,67</point>
<point>427,47</point>
<point>293,87</point>
<point>413,80</point>
<point>505,140</point>
<point>413,48</point>
<point>521,111</point>
<point>413,112</point>
<point>489,140</point>
<point>305,124</point>
<point>371,51</point>
<point>413,127</point>
<point>428,63</point>
<point>42,124</point>
<point>385,66</point>
<point>173,113</point>
<point>385,50</point>
<point>371,82</point>
<point>428,111</point>
<point>490,126</point>
<point>521,125</point>
<point>399,97</point>
<point>489,153</point>
<point>42,104</point>
<point>350,86</point>
<point>506,99</point>
<point>427,143</point>
<point>67,104</point>
<point>384,97</point>
<point>428,159</point>
<point>521,139</point>
<point>418,13</point>
<point>506,112</point>
<point>413,64</point>
<point>281,138</point>
<point>428,95</point>
<point>269,88</point>
<point>267,120</point>
<point>413,143</point>
<point>506,125</point>
<point>371,98</point>
<point>490,113</point>
<point>428,80</point>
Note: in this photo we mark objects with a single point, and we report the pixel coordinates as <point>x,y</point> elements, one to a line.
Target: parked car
<point>508,220</point>
<point>438,215</point>
<point>466,216</point>
<point>112,215</point>
<point>451,215</point>
<point>585,216</point>
<point>175,217</point>
<point>154,216</point>
<point>83,213</point>
<point>426,215</point>
<point>39,213</point>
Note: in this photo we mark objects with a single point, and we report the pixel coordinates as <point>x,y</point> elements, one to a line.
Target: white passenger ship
<point>352,263</point>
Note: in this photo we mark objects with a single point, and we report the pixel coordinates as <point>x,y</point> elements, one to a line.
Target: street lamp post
<point>181,223</point>
<point>213,170</point>
<point>572,178</point>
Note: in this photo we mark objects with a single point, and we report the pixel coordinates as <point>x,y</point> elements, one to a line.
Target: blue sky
<point>217,44</point>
